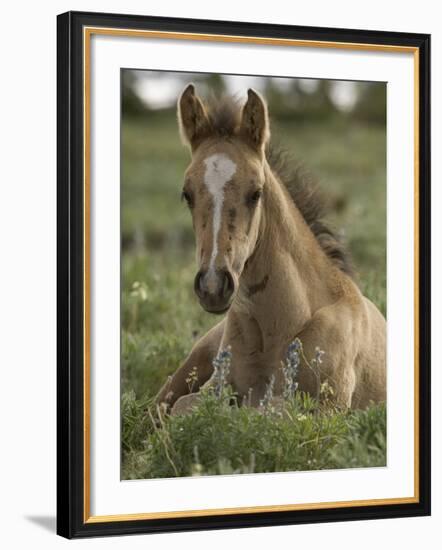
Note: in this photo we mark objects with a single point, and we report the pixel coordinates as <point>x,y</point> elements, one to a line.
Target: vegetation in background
<point>161,318</point>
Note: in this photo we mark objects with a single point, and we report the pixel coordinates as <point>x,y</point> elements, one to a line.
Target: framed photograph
<point>243,274</point>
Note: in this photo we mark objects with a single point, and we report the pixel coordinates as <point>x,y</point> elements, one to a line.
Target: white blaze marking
<point>219,171</point>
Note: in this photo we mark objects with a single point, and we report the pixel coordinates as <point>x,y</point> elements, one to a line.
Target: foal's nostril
<point>228,285</point>
<point>225,286</point>
<point>197,284</point>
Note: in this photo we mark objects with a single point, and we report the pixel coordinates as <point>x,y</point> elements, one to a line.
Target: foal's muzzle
<point>215,290</point>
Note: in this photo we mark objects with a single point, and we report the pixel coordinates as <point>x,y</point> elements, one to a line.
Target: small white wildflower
<point>318,355</point>
<point>268,395</point>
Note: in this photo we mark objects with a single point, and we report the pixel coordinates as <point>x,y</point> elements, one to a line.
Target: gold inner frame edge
<point>87,33</point>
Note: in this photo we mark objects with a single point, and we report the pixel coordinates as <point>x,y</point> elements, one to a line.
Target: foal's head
<point>223,188</point>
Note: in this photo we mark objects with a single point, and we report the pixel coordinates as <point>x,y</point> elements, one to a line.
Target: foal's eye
<point>185,195</point>
<point>254,197</point>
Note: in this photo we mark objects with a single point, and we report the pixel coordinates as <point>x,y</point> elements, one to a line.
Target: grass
<point>221,438</point>
<point>161,319</point>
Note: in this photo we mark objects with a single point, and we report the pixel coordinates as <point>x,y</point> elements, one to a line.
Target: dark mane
<point>310,202</point>
<point>224,115</point>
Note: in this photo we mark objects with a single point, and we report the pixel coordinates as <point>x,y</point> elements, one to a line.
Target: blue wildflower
<point>221,365</point>
<point>291,366</point>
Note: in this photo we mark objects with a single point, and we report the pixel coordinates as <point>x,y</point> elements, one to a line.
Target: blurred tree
<point>288,99</point>
<point>131,102</point>
<point>371,105</point>
<point>300,99</point>
<point>315,104</point>
<point>215,82</point>
<point>276,99</point>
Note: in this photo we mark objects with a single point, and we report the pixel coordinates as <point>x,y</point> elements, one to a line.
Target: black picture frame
<point>71,521</point>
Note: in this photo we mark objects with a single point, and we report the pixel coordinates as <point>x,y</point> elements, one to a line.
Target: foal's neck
<point>288,276</point>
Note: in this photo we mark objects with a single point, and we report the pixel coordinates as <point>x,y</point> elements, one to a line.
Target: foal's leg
<point>336,330</point>
<point>199,360</point>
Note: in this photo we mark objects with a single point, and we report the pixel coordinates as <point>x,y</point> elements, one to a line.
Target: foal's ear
<point>192,117</point>
<point>254,126</point>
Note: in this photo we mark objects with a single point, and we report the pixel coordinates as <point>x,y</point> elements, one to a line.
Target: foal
<point>268,263</point>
